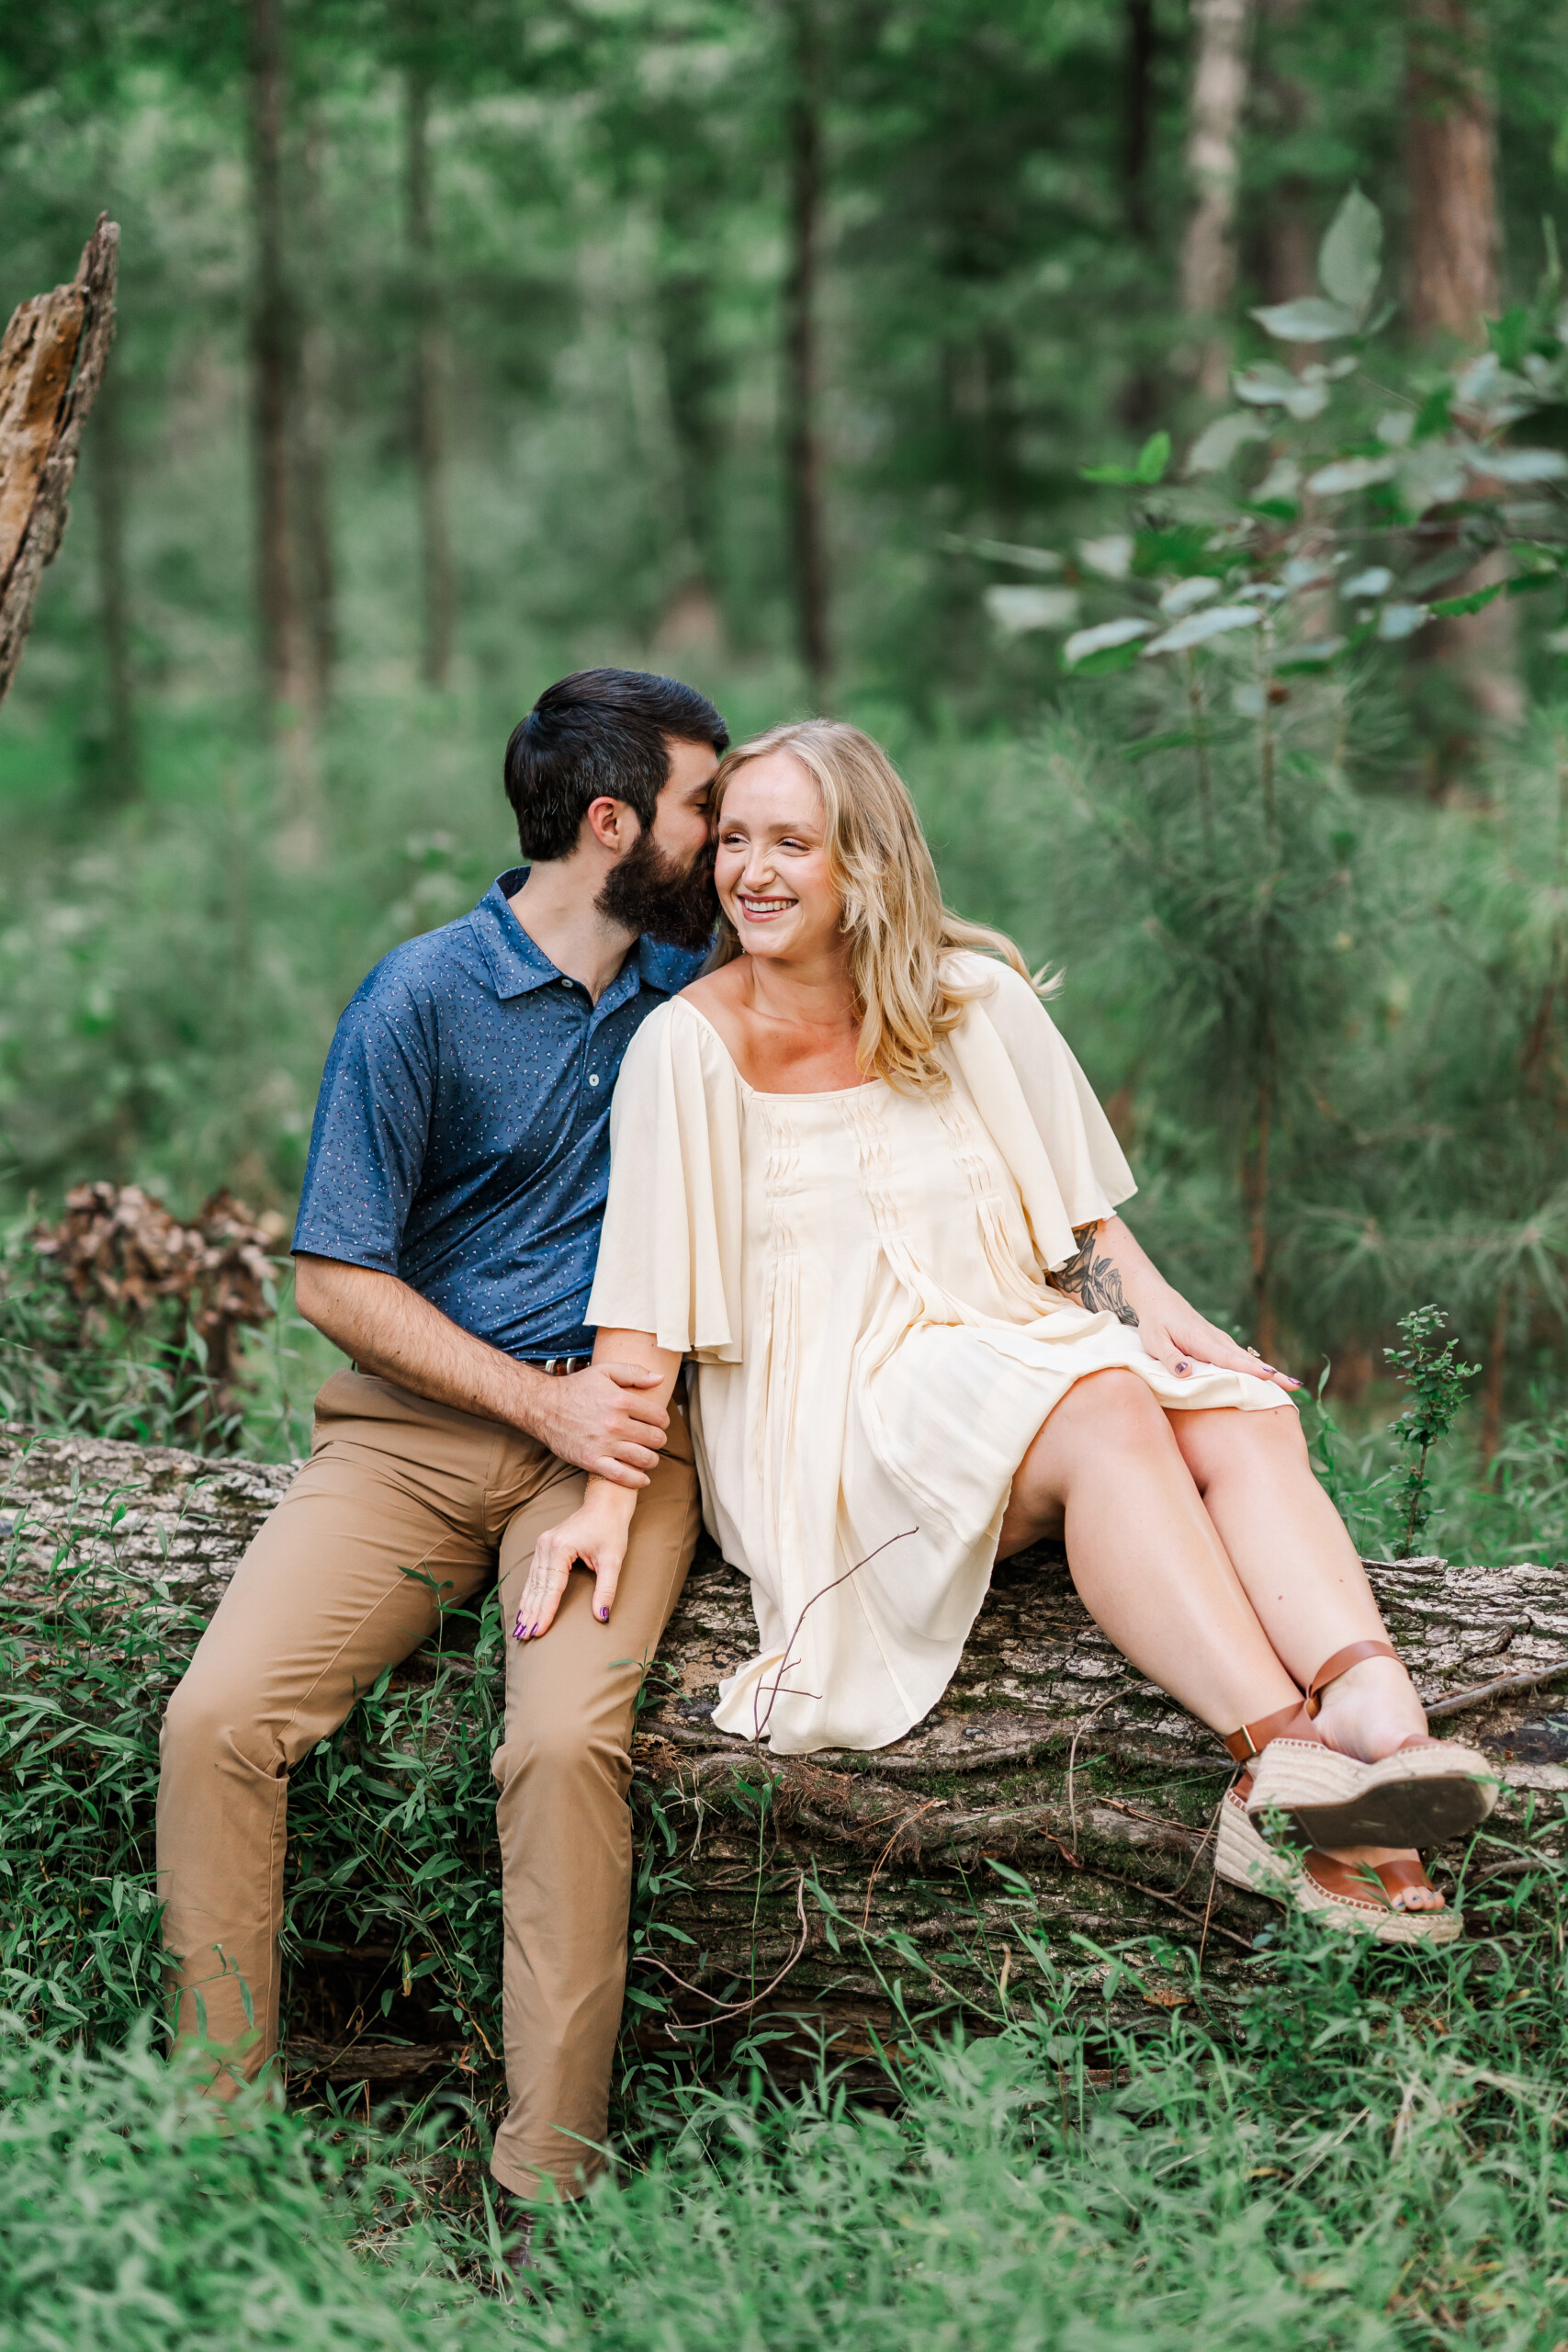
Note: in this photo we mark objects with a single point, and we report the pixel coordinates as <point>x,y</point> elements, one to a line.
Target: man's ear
<point>614,824</point>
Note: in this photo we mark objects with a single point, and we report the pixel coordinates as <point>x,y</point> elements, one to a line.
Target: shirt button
<point>592,1080</point>
<point>566,984</point>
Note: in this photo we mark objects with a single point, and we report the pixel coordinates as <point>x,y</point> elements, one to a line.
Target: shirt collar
<point>517,963</point>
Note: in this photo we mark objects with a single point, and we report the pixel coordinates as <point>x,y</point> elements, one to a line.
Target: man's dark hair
<point>599,731</point>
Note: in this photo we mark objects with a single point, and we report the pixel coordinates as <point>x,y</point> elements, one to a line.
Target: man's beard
<point>648,893</point>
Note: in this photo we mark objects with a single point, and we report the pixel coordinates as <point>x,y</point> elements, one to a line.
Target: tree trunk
<point>51,364</point>
<point>1142,397</point>
<point>429,387</point>
<point>1455,243</point>
<point>1048,1754</point>
<point>802,448</point>
<point>1497,1373</point>
<point>1214,163</point>
<point>106,476</point>
<point>1455,237</point>
<point>1138,117</point>
<point>318,568</point>
<point>1288,238</point>
<point>275,377</point>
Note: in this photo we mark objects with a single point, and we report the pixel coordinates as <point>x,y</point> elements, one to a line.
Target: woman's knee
<point>1116,1409</point>
<point>1214,1442</point>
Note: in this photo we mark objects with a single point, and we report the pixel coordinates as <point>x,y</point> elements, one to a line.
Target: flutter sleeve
<point>1040,1110</point>
<point>669,1256</point>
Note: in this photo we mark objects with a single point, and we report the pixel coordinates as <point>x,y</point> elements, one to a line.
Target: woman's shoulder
<point>679,1035</point>
<point>987,981</point>
<point>711,992</point>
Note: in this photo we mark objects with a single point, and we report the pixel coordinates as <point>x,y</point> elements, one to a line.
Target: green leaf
<point>1097,665</point>
<point>1512,336</point>
<point>1217,620</point>
<point>1350,260</point>
<point>1432,416</point>
<point>1124,476</point>
<point>1527,583</point>
<point>1309,320</point>
<point>1450,607</point>
<point>1111,645</point>
<point>1183,550</point>
<point>1218,442</point>
<point>1154,457</point>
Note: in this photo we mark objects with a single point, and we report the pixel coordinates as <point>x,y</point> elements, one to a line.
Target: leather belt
<point>558,1366</point>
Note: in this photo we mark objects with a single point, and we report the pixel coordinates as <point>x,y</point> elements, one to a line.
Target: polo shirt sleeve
<point>371,1129</point>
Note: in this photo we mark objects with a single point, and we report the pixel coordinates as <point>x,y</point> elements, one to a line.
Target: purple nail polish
<point>1183,1367</point>
<point>604,1616</point>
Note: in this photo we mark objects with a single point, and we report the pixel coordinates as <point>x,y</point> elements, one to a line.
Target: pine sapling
<point>1436,1380</point>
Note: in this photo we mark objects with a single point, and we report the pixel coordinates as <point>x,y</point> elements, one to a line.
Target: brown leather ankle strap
<point>1253,1738</point>
<point>1342,1660</point>
<point>1350,1880</point>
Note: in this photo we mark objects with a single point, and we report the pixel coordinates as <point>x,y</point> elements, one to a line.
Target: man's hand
<point>603,1420</point>
<point>596,1534</point>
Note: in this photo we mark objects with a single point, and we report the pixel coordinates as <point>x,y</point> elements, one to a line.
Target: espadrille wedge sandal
<point>1426,1792</point>
<point>1336,1894</point>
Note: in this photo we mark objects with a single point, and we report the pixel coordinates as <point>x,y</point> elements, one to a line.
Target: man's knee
<point>212,1717</point>
<point>559,1755</point>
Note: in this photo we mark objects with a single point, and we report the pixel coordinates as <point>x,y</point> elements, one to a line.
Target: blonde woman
<point>860,1181</point>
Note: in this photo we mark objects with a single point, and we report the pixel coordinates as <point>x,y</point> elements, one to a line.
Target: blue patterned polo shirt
<point>462,1133</point>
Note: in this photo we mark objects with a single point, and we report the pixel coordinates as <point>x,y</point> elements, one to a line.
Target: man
<point>446,1243</point>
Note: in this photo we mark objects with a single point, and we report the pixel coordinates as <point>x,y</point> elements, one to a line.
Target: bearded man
<point>446,1241</point>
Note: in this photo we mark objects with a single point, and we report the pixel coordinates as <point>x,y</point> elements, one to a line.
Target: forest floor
<point>1270,2134</point>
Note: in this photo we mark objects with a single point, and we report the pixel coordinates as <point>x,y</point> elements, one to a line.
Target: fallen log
<point>1053,1794</point>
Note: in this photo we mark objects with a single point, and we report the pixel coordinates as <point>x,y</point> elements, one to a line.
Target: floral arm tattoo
<point>1093,1281</point>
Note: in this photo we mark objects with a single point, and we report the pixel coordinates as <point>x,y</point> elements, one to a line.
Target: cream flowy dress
<point>860,1277</point>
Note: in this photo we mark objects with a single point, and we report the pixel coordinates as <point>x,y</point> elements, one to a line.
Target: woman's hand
<point>1112,1274</point>
<point>596,1534</point>
<point>1180,1337</point>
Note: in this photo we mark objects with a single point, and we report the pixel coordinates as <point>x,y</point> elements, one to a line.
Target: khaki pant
<point>318,1608</point>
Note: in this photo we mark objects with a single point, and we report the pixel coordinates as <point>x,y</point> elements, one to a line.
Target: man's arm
<point>1111,1273</point>
<point>610,1419</point>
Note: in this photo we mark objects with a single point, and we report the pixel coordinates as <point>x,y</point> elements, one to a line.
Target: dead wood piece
<point>1462,1700</point>
<point>51,363</point>
<point>375,2062</point>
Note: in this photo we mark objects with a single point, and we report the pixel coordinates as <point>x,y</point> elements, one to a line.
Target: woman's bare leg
<point>1150,1565</point>
<point>1291,1549</point>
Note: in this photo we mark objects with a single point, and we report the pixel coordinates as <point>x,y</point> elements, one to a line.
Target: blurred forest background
<point>768,342</point>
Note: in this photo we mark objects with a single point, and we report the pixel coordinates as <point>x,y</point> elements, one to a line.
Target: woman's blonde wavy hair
<point>906,994</point>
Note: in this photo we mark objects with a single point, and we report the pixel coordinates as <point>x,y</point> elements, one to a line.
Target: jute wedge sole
<point>1418,1796</point>
<point>1244,1857</point>
<point>1364,1915</point>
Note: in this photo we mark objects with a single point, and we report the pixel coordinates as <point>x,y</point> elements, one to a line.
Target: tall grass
<point>1360,2153</point>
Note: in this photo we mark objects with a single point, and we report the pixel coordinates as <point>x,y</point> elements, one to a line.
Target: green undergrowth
<point>1099,2146</point>
<point>1366,2152</point>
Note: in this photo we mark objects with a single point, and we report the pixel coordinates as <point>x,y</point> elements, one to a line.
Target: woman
<point>859,1177</point>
